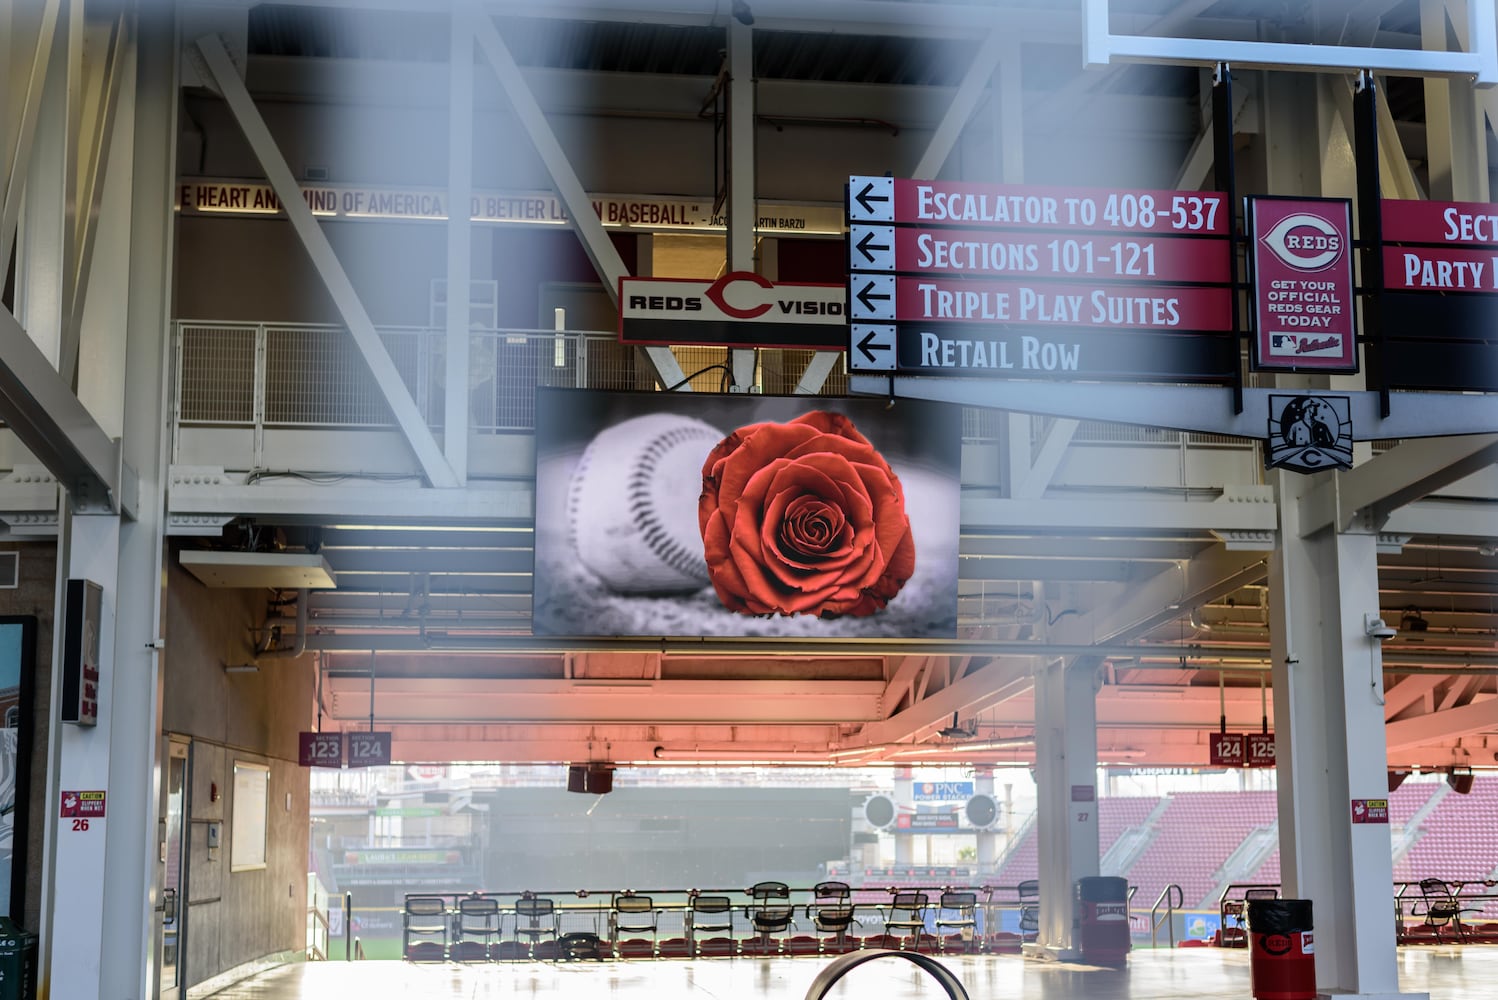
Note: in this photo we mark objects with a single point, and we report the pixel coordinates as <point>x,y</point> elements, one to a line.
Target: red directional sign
<point>366,749</point>
<point>881,297</point>
<point>1013,206</point>
<point>320,749</point>
<point>1039,255</point>
<point>1471,223</point>
<point>1225,749</point>
<point>1260,750</point>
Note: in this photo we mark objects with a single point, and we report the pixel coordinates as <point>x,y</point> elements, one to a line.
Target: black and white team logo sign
<point>1310,433</point>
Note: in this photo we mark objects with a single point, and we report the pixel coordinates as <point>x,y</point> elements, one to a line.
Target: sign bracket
<point>1224,173</point>
<point>1370,233</point>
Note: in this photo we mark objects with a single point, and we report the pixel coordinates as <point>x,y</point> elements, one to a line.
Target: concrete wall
<point>234,918</point>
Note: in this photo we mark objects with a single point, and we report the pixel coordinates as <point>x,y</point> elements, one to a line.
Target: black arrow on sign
<point>864,246</point>
<point>865,297</point>
<point>863,197</point>
<point>868,347</point>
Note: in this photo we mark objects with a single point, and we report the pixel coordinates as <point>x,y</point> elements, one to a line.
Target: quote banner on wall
<point>666,514</point>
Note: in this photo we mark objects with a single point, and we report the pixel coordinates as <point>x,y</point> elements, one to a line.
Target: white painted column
<point>147,129</point>
<point>904,799</point>
<point>742,216</point>
<point>455,416</point>
<point>1066,788</point>
<point>1329,740</point>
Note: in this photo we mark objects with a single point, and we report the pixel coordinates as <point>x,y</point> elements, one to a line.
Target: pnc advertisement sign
<point>1303,290</point>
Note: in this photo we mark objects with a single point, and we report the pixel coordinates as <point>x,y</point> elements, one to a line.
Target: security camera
<point>1378,629</point>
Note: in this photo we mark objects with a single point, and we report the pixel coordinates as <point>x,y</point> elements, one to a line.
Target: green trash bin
<point>17,962</point>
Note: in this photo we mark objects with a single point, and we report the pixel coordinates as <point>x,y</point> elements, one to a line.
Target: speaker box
<point>1396,778</point>
<point>590,779</point>
<point>1460,782</point>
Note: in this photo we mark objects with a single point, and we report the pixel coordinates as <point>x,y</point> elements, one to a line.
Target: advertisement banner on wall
<point>1303,290</point>
<point>663,514</point>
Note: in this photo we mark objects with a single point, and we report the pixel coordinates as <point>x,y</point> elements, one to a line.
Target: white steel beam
<point>406,699</point>
<point>1166,597</point>
<point>595,240</point>
<point>92,159</point>
<point>325,261</point>
<point>1043,469</point>
<point>199,492</point>
<point>1101,47</point>
<point>1409,691</point>
<point>459,239</point>
<point>17,152</point>
<point>817,369</point>
<point>1104,514</point>
<point>1408,734</point>
<point>1455,141</point>
<point>969,92</point>
<point>998,680</point>
<point>1409,472</point>
<point>1440,517</point>
<point>55,427</point>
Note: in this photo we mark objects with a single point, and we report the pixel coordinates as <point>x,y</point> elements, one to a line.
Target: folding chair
<point>424,917</point>
<point>536,918</point>
<point>709,914</point>
<point>769,912</point>
<point>907,912</point>
<point>1442,908</point>
<point>634,915</point>
<point>958,910</point>
<point>831,912</point>
<point>478,917</point>
<point>1029,909</point>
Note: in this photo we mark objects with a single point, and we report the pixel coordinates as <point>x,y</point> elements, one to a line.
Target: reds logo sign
<point>1305,242</point>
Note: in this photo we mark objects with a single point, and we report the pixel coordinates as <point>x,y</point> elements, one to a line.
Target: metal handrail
<point>348,926</point>
<point>1172,897</point>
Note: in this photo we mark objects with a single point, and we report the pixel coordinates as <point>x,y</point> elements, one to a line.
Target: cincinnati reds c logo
<point>1302,250</point>
<point>716,289</point>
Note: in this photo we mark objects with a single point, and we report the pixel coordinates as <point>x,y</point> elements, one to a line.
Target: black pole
<point>348,926</point>
<point>1370,233</point>
<point>1223,180</point>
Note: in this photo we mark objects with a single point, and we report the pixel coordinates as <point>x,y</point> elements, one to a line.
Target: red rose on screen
<point>804,517</point>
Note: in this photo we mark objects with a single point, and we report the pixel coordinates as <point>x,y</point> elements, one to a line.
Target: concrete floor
<point>1446,973</point>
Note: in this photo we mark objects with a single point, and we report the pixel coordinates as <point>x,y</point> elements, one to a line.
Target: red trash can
<point>1282,950</point>
<point>1102,912</point>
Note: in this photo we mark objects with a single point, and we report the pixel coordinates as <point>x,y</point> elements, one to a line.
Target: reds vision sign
<point>740,309</point>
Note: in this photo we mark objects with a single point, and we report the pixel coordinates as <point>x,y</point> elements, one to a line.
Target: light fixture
<point>1377,628</point>
<point>1413,620</point>
<point>241,668</point>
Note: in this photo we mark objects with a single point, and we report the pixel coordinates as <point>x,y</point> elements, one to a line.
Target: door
<point>171,909</point>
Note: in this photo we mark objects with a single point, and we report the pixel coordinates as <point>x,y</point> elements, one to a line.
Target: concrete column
<point>904,798</point>
<point>1066,787</point>
<point>1329,740</point>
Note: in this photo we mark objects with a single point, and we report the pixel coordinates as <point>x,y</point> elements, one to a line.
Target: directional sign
<point>1011,351</point>
<point>872,295</point>
<point>924,250</point>
<point>871,248</point>
<point>871,348</point>
<point>1015,206</point>
<point>882,297</point>
<point>871,199</point>
<point>1225,749</point>
<point>368,749</point>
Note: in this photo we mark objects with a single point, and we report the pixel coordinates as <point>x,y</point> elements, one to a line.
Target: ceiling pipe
<point>299,644</point>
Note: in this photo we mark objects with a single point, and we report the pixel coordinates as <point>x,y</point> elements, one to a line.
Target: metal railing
<point>1172,898</point>
<point>269,375</point>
